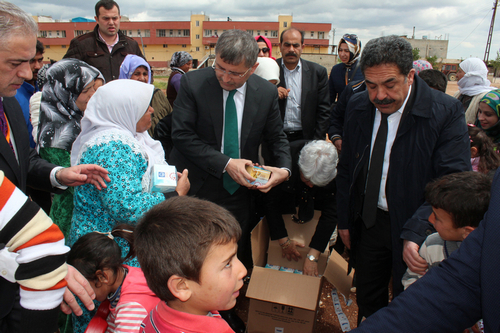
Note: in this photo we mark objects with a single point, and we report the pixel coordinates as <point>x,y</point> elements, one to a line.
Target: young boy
<point>459,202</point>
<point>187,251</point>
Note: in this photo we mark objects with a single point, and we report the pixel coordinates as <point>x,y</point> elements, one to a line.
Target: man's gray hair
<point>15,21</point>
<point>388,50</point>
<point>318,162</point>
<point>235,46</point>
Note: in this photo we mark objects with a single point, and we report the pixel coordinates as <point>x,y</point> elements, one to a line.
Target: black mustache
<point>385,101</point>
<point>290,54</point>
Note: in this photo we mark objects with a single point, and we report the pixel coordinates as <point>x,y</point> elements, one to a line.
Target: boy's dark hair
<point>174,237</point>
<point>302,34</point>
<point>39,47</point>
<point>434,79</point>
<point>107,4</point>
<point>96,251</point>
<point>464,195</point>
<point>488,157</point>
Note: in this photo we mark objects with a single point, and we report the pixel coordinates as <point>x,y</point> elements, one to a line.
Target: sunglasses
<point>264,49</point>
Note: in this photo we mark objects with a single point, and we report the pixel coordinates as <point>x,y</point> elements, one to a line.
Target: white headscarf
<point>268,69</point>
<point>114,111</point>
<point>475,80</point>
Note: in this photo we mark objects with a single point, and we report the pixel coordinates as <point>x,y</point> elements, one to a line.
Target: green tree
<point>416,54</point>
<point>495,63</point>
<point>433,61</point>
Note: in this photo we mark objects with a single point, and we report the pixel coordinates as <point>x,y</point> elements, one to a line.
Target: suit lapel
<point>306,85</point>
<point>214,97</point>
<point>16,133</point>
<point>250,110</point>
<point>407,120</point>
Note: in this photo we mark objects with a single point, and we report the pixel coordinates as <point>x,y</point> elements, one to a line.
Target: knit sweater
<point>26,230</point>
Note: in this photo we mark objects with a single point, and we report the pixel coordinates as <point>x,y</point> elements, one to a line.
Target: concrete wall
<point>430,47</point>
<point>325,60</point>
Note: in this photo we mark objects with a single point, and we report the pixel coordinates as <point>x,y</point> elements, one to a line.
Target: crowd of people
<point>399,169</point>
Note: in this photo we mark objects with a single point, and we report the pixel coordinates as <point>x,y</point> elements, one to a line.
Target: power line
<point>470,32</point>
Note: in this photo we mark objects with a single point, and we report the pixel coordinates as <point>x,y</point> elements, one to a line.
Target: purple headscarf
<point>130,64</point>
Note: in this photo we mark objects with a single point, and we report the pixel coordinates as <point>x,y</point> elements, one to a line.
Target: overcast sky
<point>465,23</point>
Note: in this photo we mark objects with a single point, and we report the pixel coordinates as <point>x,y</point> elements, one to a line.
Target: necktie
<point>231,142</point>
<point>374,174</point>
<point>4,125</point>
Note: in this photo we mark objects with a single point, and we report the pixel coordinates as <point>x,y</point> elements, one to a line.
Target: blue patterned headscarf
<point>130,64</point>
<point>354,45</point>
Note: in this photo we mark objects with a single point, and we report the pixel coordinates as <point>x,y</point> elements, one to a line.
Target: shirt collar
<point>297,68</point>
<point>114,43</point>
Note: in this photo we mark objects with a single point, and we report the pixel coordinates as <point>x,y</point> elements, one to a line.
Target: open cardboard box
<point>283,302</point>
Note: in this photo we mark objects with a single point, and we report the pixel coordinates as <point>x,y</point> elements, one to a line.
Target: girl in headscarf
<point>265,47</point>
<point>68,87</point>
<point>180,64</point>
<point>473,84</point>
<point>114,135</point>
<point>136,68</point>
<point>349,50</point>
<point>421,65</point>
<point>488,115</point>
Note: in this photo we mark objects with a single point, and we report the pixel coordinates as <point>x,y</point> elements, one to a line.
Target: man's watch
<point>312,258</point>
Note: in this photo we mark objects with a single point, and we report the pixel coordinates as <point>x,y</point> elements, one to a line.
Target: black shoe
<point>235,322</point>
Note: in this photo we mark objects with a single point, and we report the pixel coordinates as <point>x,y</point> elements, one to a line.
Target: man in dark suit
<point>399,134</point>
<point>21,164</point>
<point>199,127</point>
<point>303,88</point>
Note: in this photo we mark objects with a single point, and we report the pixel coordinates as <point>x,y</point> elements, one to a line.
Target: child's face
<point>443,222</point>
<point>221,279</point>
<point>104,285</point>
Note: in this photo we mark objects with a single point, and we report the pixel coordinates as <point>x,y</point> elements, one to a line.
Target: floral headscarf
<point>180,58</point>
<point>59,116</point>
<point>421,65</point>
<point>354,45</point>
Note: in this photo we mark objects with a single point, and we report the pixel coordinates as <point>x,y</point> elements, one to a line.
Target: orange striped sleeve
<point>51,235</point>
<point>59,285</point>
<point>6,190</point>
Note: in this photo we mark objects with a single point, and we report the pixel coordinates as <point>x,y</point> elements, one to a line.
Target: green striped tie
<point>231,145</point>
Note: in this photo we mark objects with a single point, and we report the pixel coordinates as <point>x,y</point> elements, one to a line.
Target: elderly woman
<point>180,64</point>
<point>136,68</point>
<point>349,50</point>
<point>268,69</point>
<point>313,189</point>
<point>473,84</point>
<point>69,86</point>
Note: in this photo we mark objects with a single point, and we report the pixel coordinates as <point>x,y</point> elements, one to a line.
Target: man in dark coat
<point>106,46</point>
<point>416,134</point>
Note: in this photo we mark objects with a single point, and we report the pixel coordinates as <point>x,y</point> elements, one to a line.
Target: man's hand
<point>183,184</point>
<point>236,169</point>
<point>283,92</point>
<point>346,237</point>
<point>311,267</point>
<point>83,174</point>
<point>79,286</point>
<point>415,262</point>
<point>278,176</point>
<point>338,145</point>
<point>290,251</point>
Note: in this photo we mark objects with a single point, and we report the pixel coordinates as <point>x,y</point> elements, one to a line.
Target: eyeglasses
<point>231,74</point>
<point>264,50</point>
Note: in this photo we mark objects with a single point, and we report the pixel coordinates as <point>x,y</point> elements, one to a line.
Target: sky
<point>464,23</point>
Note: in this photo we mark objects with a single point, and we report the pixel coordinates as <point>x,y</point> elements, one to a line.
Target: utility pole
<point>490,35</point>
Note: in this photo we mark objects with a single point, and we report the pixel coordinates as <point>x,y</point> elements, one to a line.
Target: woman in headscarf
<point>136,68</point>
<point>265,47</point>
<point>473,84</point>
<point>349,50</point>
<point>488,115</point>
<point>69,86</point>
<point>421,65</point>
<point>268,69</point>
<point>180,64</point>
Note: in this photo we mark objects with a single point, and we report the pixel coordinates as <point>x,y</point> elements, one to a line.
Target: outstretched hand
<point>83,174</point>
<point>77,286</point>
<point>236,168</point>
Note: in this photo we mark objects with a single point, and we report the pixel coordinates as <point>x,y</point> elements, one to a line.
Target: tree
<point>416,54</point>
<point>495,63</point>
<point>433,62</point>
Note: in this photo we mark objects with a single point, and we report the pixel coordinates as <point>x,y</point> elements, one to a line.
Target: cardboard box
<point>282,302</point>
<point>163,178</point>
<point>261,175</point>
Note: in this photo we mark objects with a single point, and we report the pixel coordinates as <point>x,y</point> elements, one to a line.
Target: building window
<point>208,33</point>
<point>147,33</point>
<point>186,33</point>
<point>258,32</point>
<point>285,24</point>
<point>183,46</point>
<point>47,46</point>
<point>144,45</point>
<point>138,32</point>
<point>316,48</point>
<point>197,49</point>
<point>197,36</point>
<point>265,33</point>
<point>63,46</point>
<point>274,33</point>
<point>43,34</point>
<point>57,33</point>
<point>171,33</point>
<point>50,33</point>
<point>197,23</point>
<point>321,35</point>
<point>165,46</point>
<point>78,33</point>
<point>160,33</point>
<point>130,32</point>
<point>250,32</point>
<point>312,34</point>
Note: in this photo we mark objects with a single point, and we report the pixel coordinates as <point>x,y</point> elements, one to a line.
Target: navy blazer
<point>456,294</point>
<point>315,105</point>
<point>197,123</point>
<point>432,141</point>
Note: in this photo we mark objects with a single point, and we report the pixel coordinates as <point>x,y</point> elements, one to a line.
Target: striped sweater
<point>26,230</point>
